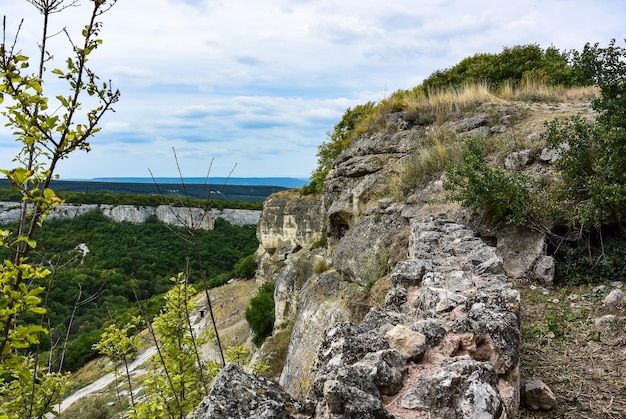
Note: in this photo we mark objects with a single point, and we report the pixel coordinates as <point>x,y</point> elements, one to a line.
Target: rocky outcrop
<point>454,321</point>
<point>444,344</point>
<point>196,218</point>
<point>444,340</point>
<point>363,253</point>
<point>362,175</point>
<point>239,395</point>
<point>325,299</point>
<point>289,222</point>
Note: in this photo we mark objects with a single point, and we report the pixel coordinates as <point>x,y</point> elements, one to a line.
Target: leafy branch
<point>46,136</point>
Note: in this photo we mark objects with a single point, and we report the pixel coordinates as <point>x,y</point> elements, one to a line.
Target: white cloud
<point>259,83</point>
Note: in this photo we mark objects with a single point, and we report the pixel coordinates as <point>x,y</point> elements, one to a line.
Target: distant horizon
<point>256,88</point>
<point>290,182</point>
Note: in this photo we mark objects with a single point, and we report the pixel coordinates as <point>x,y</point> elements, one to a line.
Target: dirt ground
<point>580,358</point>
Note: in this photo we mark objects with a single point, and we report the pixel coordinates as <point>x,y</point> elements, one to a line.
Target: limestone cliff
<point>400,303</point>
<point>178,216</point>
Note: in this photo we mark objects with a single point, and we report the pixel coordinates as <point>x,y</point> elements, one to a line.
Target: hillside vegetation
<point>152,197</point>
<point>526,73</point>
<point>100,268</point>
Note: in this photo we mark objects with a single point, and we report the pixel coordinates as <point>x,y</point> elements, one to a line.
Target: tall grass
<point>455,100</point>
<point>441,104</point>
<point>535,91</point>
<point>438,105</point>
<point>428,161</point>
<point>435,107</point>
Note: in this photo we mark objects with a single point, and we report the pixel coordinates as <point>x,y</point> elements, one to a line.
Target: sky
<point>250,88</point>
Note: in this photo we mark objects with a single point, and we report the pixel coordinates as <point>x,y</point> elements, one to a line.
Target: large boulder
<point>289,222</point>
<point>524,254</point>
<point>236,394</point>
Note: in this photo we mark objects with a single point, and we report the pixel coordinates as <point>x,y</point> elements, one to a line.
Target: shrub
<point>374,267</point>
<point>518,64</point>
<point>592,161</point>
<point>260,313</point>
<point>599,258</point>
<point>219,280</point>
<point>321,266</point>
<point>245,268</point>
<point>503,196</point>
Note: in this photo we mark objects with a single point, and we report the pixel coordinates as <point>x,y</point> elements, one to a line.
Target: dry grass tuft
<point>275,350</point>
<point>443,104</point>
<point>457,100</point>
<point>428,162</point>
<point>94,407</point>
<point>540,92</point>
<point>379,291</point>
<point>89,373</point>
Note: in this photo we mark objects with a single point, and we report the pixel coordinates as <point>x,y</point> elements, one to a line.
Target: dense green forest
<point>124,259</point>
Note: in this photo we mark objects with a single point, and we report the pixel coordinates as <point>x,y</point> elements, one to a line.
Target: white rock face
<point>289,223</point>
<point>9,211</point>
<point>238,217</point>
<point>177,216</point>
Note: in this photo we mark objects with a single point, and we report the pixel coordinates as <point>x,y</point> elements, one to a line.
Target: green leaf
<point>32,243</point>
<point>48,193</point>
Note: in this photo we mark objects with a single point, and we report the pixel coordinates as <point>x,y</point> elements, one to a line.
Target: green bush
<point>124,259</point>
<point>503,196</point>
<point>374,266</point>
<point>147,198</point>
<point>600,258</point>
<point>245,268</point>
<point>592,161</point>
<point>219,280</point>
<point>260,313</point>
<point>512,65</point>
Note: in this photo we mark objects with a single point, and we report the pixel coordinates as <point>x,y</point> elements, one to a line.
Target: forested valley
<point>103,272</point>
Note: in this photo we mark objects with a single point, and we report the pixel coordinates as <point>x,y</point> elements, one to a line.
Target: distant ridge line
<point>286,182</point>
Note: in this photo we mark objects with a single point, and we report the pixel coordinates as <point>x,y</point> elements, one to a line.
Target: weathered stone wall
<point>445,344</point>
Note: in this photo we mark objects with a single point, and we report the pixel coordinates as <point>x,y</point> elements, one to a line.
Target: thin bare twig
<point>160,353</point>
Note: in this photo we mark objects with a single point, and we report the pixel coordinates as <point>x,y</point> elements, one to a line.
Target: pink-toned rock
<point>409,343</point>
<point>536,395</point>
